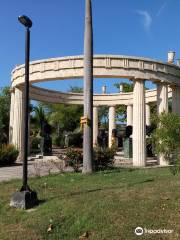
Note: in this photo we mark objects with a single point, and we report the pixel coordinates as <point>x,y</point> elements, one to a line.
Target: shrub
<point>166,138</point>
<point>35,142</point>
<point>175,168</point>
<point>8,155</point>
<point>74,158</point>
<point>103,158</point>
<point>75,139</point>
<point>58,141</point>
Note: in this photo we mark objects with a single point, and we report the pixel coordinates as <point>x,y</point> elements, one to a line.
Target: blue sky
<point>128,27</point>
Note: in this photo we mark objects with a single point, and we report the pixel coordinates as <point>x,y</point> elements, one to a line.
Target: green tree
<point>166,138</point>
<point>40,116</point>
<point>75,89</point>
<point>127,87</point>
<point>64,117</point>
<point>103,116</point>
<point>121,114</point>
<point>5,99</point>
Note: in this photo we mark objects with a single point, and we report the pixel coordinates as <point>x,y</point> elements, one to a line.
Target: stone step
<point>58,151</point>
<point>121,157</point>
<point>120,153</point>
<point>121,161</point>
<point>122,164</point>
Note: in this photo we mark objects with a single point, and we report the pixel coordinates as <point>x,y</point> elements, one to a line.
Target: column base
<point>139,165</point>
<point>24,199</point>
<point>162,161</point>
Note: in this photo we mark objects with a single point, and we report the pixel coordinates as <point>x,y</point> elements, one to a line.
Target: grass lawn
<point>108,205</point>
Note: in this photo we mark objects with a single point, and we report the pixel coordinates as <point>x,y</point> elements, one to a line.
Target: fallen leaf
<point>50,227</point>
<point>84,236</point>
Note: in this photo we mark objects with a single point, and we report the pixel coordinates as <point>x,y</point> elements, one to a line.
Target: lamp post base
<point>24,199</point>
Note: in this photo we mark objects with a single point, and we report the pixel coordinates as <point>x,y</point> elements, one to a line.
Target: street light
<point>25,198</point>
<point>24,20</point>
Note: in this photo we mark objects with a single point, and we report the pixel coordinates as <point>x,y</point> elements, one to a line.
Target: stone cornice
<point>52,96</point>
<point>105,66</point>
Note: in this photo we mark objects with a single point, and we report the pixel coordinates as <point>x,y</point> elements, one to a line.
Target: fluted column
<point>112,123</point>
<point>148,115</point>
<point>139,121</point>
<point>176,99</point>
<point>95,125</point>
<point>162,98</point>
<point>162,106</point>
<point>17,138</point>
<point>130,115</point>
<point>11,120</point>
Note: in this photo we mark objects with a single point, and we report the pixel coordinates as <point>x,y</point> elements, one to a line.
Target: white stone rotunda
<point>137,69</point>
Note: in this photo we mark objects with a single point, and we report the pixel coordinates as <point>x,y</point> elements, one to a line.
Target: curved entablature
<point>51,96</point>
<point>104,66</point>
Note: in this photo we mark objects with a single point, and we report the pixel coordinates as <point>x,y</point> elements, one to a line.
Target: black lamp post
<point>28,24</point>
<point>26,198</point>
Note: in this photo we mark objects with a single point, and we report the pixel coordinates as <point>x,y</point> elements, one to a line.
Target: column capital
<point>161,83</point>
<point>12,89</point>
<point>173,86</point>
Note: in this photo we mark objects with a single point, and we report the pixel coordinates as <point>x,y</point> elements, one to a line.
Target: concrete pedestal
<point>127,147</point>
<point>24,199</point>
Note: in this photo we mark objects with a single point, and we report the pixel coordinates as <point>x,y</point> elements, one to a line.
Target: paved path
<point>35,168</point>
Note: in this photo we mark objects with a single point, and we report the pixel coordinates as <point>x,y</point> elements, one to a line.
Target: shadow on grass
<point>141,182</point>
<point>115,170</point>
<point>79,193</point>
<point>42,201</point>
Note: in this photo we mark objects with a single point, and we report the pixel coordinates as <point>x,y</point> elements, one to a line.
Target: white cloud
<point>147,19</point>
<point>162,8</point>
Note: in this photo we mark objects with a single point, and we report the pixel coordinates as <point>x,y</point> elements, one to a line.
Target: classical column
<point>11,120</point>
<point>148,115</point>
<point>139,122</point>
<point>162,106</point>
<point>112,123</point>
<point>176,99</point>
<point>162,98</point>
<point>95,125</point>
<point>17,136</point>
<point>129,115</point>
